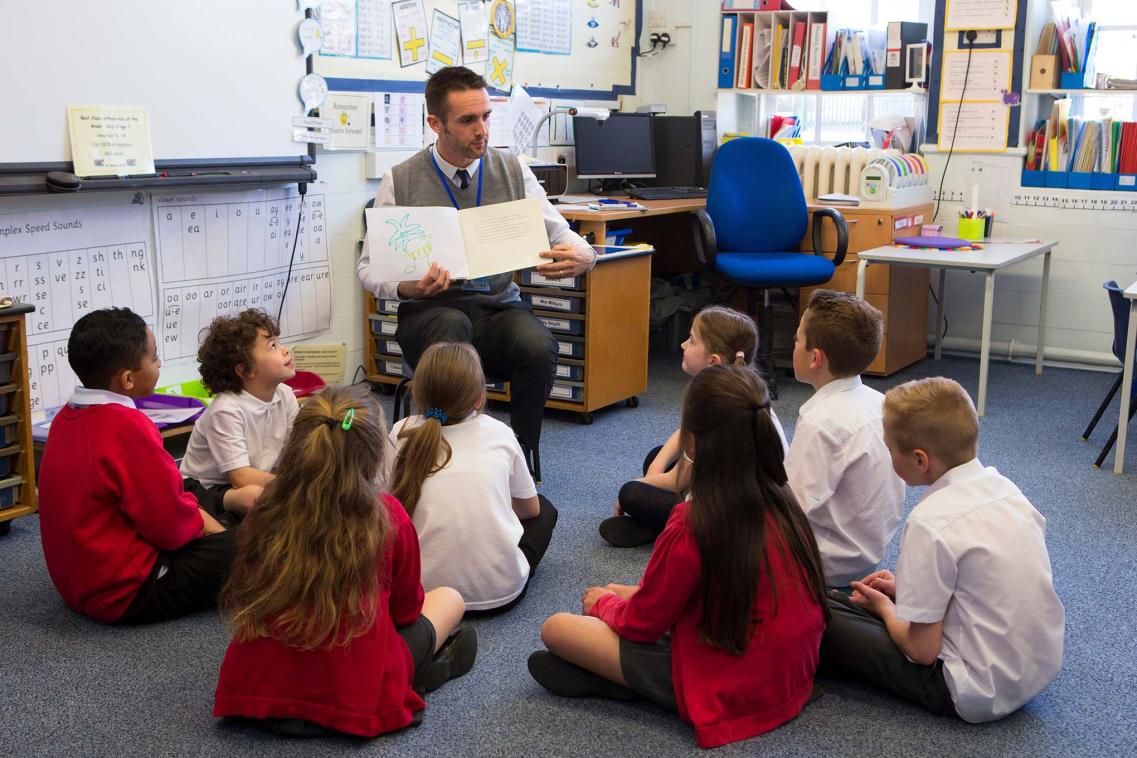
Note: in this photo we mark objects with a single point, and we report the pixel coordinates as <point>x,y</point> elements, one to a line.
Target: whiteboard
<point>600,66</point>
<point>218,77</point>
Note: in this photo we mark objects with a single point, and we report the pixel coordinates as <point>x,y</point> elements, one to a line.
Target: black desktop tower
<point>684,147</point>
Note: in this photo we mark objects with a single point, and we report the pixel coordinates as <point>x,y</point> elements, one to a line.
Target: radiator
<point>832,169</point>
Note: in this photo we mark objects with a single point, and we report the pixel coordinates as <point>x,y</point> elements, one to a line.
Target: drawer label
<point>564,281</point>
<point>561,392</point>
<point>393,367</point>
<point>556,303</point>
<point>561,324</point>
<point>564,348</point>
<point>388,327</point>
<point>389,306</point>
<point>565,372</point>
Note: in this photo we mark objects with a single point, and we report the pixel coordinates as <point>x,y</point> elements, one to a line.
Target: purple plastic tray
<point>943,243</point>
<point>171,401</point>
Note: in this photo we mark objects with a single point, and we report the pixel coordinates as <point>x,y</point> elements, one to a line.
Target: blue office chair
<point>752,228</point>
<point>1120,327</point>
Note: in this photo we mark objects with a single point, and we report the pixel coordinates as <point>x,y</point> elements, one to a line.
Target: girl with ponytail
<point>462,477</point>
<point>725,625</point>
<point>331,628</point>
<point>719,335</point>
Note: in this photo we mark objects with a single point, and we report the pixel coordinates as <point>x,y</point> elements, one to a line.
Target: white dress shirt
<point>974,555</point>
<point>841,473</point>
<point>238,430</point>
<point>555,224</point>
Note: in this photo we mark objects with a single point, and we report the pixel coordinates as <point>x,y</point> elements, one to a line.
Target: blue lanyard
<point>446,183</point>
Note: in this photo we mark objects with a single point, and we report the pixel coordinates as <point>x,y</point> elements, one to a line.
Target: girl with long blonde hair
<point>331,628</point>
<point>462,477</point>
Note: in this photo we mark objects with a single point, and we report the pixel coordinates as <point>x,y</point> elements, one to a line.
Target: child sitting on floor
<point>837,462</point>
<point>462,477</point>
<point>725,624</point>
<point>718,335</point>
<point>237,440</point>
<point>331,630</point>
<point>970,625</point>
<point>123,542</point>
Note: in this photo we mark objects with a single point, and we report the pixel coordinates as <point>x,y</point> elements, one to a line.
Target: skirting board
<point>1020,351</point>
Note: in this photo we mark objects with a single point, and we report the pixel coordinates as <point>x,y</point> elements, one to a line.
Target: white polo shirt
<point>841,473</point>
<point>238,430</point>
<point>974,554</point>
<point>467,530</point>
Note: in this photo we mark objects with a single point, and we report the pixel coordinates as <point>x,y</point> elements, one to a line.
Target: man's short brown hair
<point>935,415</point>
<point>446,80</point>
<point>847,329</point>
<point>228,344</point>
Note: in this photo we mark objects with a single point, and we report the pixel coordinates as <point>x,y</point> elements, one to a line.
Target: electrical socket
<point>656,22</point>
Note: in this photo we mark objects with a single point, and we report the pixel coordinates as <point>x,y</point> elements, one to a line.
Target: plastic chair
<point>306,383</point>
<point>1120,309</point>
<point>752,227</point>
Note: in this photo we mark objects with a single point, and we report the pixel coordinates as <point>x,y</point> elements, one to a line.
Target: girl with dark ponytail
<point>725,625</point>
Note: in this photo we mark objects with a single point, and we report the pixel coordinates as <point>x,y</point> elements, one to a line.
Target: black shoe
<point>625,531</point>
<point>454,659</point>
<point>562,678</point>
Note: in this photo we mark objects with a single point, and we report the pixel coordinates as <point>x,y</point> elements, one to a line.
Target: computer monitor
<point>620,147</point>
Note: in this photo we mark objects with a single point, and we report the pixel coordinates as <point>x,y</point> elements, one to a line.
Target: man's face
<point>465,131</point>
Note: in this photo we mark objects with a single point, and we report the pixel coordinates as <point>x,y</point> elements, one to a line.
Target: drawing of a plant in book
<point>410,241</point>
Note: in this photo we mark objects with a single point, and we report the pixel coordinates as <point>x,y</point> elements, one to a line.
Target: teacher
<point>463,171</point>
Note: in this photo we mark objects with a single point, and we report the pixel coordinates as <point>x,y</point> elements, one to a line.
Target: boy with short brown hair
<point>837,464</point>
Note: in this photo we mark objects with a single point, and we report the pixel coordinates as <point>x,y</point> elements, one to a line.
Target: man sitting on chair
<point>462,170</point>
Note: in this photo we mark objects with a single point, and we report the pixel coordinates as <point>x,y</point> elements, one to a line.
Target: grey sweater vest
<point>417,183</point>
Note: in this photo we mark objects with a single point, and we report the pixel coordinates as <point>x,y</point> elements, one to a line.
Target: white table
<point>993,257</point>
<point>1126,380</point>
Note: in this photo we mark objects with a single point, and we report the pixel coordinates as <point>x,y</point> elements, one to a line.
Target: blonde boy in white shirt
<point>837,464</point>
<point>970,624</point>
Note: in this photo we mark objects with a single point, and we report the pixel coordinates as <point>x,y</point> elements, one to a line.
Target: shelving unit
<point>18,477</point>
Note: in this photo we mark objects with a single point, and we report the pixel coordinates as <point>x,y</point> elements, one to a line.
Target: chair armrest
<point>842,232</point>
<point>703,233</point>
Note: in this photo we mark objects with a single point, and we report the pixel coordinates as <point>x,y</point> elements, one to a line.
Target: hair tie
<point>761,406</point>
<point>740,354</point>
<point>437,413</point>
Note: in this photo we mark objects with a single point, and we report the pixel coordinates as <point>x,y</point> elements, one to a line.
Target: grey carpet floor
<point>69,686</point>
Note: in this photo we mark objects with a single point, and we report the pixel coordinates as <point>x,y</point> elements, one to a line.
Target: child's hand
<point>882,580</point>
<point>872,600</point>
<point>591,595</point>
<point>210,525</point>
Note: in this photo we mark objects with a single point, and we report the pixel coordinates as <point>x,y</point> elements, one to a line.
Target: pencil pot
<point>971,229</point>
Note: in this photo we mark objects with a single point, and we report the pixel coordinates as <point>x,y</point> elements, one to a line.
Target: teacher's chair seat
<point>752,227</point>
<point>1120,309</point>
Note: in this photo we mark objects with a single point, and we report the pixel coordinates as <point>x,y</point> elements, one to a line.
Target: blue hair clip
<point>437,413</point>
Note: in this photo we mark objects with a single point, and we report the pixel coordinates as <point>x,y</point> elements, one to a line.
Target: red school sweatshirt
<point>110,498</point>
<point>725,697</point>
<point>361,688</point>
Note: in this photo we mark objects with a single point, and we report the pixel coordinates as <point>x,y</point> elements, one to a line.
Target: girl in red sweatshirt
<point>331,630</point>
<point>725,625</point>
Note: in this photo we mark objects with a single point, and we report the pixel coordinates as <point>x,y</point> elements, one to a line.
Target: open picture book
<point>474,242</point>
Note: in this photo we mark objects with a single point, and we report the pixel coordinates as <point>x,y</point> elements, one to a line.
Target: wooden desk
<point>596,222</point>
<point>993,257</point>
<point>1126,379</point>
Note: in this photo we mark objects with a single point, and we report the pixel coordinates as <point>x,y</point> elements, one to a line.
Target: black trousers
<point>512,343</point>
<point>857,645</point>
<point>211,499</point>
<point>649,506</point>
<point>536,533</point>
<point>184,580</point>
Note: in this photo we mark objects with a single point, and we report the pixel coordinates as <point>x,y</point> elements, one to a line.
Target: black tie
<point>464,177</point>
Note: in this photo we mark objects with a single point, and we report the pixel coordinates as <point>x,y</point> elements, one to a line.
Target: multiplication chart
<point>220,253</point>
<point>67,263</point>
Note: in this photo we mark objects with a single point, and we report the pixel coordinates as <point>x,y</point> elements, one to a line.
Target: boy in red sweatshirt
<point>123,542</point>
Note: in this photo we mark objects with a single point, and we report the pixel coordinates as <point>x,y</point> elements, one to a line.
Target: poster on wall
<point>475,28</point>
<point>410,31</point>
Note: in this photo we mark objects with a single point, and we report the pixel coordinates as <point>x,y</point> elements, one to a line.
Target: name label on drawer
<point>388,327</point>
<point>393,367</point>
<point>564,281</point>
<point>556,303</point>
<point>564,348</point>
<point>392,347</point>
<point>389,306</point>
<point>565,372</point>
<point>561,392</point>
<point>562,324</point>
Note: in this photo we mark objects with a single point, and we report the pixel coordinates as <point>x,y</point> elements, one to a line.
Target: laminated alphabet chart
<point>222,252</point>
<point>67,263</point>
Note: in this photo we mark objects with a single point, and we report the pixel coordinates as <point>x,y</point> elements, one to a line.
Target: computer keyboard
<point>666,193</point>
